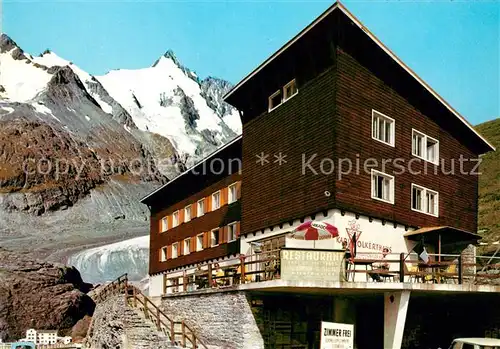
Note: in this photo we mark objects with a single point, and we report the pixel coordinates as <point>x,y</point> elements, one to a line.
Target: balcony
<point>328,270</point>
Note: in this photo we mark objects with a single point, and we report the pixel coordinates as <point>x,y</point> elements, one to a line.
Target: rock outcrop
<point>39,295</point>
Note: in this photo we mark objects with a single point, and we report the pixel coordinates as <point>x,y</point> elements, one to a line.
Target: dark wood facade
<point>342,74</point>
<point>198,183</point>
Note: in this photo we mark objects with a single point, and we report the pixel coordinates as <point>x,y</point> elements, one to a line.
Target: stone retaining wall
<point>222,319</point>
<point>118,326</point>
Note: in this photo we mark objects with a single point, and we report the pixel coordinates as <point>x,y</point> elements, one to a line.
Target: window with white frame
<point>383,128</point>
<point>424,200</point>
<point>175,250</point>
<point>187,213</point>
<point>214,237</point>
<point>382,186</point>
<point>187,246</point>
<point>175,219</point>
<point>215,200</point>
<point>290,90</point>
<point>425,147</point>
<point>232,193</point>
<point>200,211</point>
<point>275,100</point>
<point>231,232</point>
<point>163,254</point>
<point>199,242</point>
<point>164,224</point>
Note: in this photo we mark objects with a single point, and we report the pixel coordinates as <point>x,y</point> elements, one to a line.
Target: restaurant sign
<point>312,265</point>
<point>337,336</point>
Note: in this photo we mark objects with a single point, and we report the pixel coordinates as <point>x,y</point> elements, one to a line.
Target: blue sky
<point>453,45</point>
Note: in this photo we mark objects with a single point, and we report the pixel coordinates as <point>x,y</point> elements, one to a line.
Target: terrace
<point>333,269</point>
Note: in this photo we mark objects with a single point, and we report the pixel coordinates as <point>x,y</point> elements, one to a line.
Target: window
<point>187,246</point>
<point>214,238</point>
<point>425,147</point>
<point>382,186</point>
<point>164,224</point>
<point>232,193</point>
<point>201,207</point>
<point>382,128</point>
<point>424,200</point>
<point>215,201</point>
<point>187,213</point>
<point>199,242</point>
<point>231,232</point>
<point>175,219</point>
<point>175,250</point>
<point>163,254</point>
<point>275,100</point>
<point>289,90</point>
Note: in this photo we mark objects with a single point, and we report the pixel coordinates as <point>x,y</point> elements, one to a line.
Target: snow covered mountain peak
<point>6,43</point>
<point>166,98</point>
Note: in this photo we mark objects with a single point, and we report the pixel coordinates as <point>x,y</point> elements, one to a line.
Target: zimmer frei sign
<point>337,336</point>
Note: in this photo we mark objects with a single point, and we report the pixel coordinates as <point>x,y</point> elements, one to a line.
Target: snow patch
<point>22,81</point>
<point>8,109</point>
<point>41,108</point>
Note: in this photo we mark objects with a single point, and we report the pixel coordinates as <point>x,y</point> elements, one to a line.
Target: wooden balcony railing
<point>369,267</point>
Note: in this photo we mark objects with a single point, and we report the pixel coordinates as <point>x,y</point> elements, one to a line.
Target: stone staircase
<point>142,324</point>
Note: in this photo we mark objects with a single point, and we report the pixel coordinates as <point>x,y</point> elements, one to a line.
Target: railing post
<point>402,267</point>
<point>146,308</point>
<point>194,340</point>
<point>172,331</point>
<point>184,281</point>
<point>242,267</point>
<point>158,325</point>
<point>210,275</point>
<point>183,327</point>
<point>126,291</point>
<point>134,297</point>
<point>460,270</point>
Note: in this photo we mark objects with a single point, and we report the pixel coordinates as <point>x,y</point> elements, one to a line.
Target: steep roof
<point>337,6</point>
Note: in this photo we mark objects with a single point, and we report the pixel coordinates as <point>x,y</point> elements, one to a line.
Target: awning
<point>448,235</point>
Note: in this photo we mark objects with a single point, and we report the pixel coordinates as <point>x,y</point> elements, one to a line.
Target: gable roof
<point>338,6</point>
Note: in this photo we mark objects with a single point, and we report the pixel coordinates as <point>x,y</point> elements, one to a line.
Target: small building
<point>65,339</point>
<point>40,336</point>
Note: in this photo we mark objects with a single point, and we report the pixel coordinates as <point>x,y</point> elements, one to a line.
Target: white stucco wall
<point>155,285</point>
<point>373,237</point>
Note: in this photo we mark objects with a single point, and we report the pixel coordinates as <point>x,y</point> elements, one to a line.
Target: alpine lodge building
<point>350,197</point>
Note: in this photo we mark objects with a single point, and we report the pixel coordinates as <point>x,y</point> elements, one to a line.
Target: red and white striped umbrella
<point>313,230</point>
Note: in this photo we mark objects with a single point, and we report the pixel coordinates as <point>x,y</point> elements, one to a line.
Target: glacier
<point>106,263</point>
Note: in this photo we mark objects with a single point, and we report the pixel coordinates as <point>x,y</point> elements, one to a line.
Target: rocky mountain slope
<point>489,186</point>
<point>40,295</point>
<point>77,151</point>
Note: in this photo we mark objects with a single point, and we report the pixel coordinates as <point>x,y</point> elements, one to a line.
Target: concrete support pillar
<point>395,309</point>
<point>344,311</point>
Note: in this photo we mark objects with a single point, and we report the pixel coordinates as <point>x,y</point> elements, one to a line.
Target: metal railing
<point>245,269</point>
<point>178,332</point>
<point>439,268</point>
<point>367,266</point>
